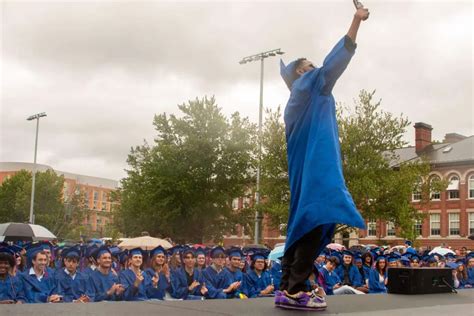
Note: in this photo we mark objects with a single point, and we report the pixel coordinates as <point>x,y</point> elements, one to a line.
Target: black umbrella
<point>26,232</point>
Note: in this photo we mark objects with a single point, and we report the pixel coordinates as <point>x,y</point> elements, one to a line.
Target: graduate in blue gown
<point>104,282</point>
<point>470,270</point>
<point>378,276</point>
<point>39,285</point>
<point>319,196</point>
<point>275,272</point>
<point>138,285</point>
<point>90,260</point>
<point>71,284</point>
<point>187,282</point>
<point>235,258</point>
<point>348,272</point>
<point>216,278</point>
<point>330,278</point>
<point>11,286</point>
<point>258,281</point>
<point>160,273</point>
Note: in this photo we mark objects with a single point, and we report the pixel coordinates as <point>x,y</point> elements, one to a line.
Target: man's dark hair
<point>298,63</point>
<point>334,260</point>
<point>5,257</point>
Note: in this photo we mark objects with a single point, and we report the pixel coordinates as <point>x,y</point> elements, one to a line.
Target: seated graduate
<point>159,272</point>
<point>104,282</point>
<point>258,281</point>
<point>275,272</point>
<point>393,260</point>
<point>216,278</point>
<point>174,257</point>
<point>235,255</point>
<point>470,270</point>
<point>19,260</point>
<point>187,282</point>
<point>91,263</point>
<point>11,286</point>
<point>39,285</point>
<point>71,284</point>
<point>415,260</point>
<point>330,279</point>
<point>348,272</point>
<point>378,276</point>
<point>201,258</point>
<point>138,285</point>
<point>358,262</point>
<point>367,263</point>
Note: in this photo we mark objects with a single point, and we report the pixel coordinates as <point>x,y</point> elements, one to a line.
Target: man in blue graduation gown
<point>39,285</point>
<point>235,257</point>
<point>138,285</point>
<point>258,281</point>
<point>11,287</point>
<point>159,273</point>
<point>216,278</point>
<point>104,282</point>
<point>319,196</point>
<point>187,282</point>
<point>348,272</point>
<point>71,284</point>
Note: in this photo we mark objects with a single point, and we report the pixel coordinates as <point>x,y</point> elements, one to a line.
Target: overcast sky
<point>102,69</point>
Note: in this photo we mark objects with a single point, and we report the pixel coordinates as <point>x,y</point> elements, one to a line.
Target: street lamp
<point>34,117</point>
<point>261,57</point>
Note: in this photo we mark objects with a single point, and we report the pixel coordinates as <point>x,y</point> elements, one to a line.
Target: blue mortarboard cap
<point>7,250</point>
<point>470,255</point>
<point>217,251</point>
<point>258,255</point>
<point>234,252</point>
<point>381,257</point>
<point>461,260</point>
<point>16,249</point>
<point>452,265</point>
<point>415,257</point>
<point>71,252</point>
<point>288,73</point>
<point>410,250</point>
<point>200,251</point>
<point>408,243</point>
<point>158,250</point>
<point>405,259</point>
<point>9,255</point>
<point>46,245</point>
<point>91,251</point>
<point>135,252</point>
<point>101,251</point>
<point>347,253</point>
<point>175,249</point>
<point>431,259</point>
<point>357,258</point>
<point>187,250</point>
<point>114,251</point>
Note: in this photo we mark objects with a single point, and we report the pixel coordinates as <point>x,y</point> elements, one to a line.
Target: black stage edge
<point>388,304</point>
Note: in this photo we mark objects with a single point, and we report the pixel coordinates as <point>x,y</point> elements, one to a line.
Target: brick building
<point>96,191</point>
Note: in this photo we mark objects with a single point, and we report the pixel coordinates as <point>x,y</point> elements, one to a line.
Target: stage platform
<point>389,304</point>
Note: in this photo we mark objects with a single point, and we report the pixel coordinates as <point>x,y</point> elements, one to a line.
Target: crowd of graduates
<point>41,273</point>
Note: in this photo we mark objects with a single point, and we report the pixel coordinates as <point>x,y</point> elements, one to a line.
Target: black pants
<point>297,263</point>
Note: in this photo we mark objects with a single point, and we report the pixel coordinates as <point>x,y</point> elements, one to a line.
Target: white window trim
<point>469,222</point>
<point>449,224</point>
<point>469,186</point>
<point>457,189</point>
<point>394,228</point>
<point>431,235</point>
<point>368,229</point>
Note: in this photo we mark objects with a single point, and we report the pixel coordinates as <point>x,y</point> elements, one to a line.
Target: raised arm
<point>361,14</point>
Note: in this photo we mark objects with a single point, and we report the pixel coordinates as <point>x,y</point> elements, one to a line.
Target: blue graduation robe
<point>72,289</point>
<point>12,289</point>
<point>375,285</point>
<point>329,280</point>
<point>470,276</point>
<point>37,291</point>
<point>236,276</point>
<point>319,196</point>
<point>179,284</point>
<point>163,285</point>
<point>253,283</point>
<point>275,272</point>
<point>101,283</point>
<point>216,282</point>
<point>355,278</point>
<point>127,277</point>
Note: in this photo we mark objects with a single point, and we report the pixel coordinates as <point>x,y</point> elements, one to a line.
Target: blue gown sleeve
<point>336,62</point>
<point>356,277</point>
<point>179,289</point>
<point>211,283</point>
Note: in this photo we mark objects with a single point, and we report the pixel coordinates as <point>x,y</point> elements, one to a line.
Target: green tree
<point>50,209</point>
<point>183,186</point>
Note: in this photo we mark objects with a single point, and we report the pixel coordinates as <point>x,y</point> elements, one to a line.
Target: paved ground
<point>391,304</point>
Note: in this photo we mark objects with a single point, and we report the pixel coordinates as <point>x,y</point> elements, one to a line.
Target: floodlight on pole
<point>32,201</point>
<point>261,57</point>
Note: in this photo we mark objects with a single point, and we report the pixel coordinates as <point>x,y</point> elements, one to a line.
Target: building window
<point>235,203</point>
<point>453,188</point>
<point>435,195</point>
<point>435,224</point>
<point>471,223</point>
<point>417,227</point>
<point>390,229</point>
<point>471,186</point>
<point>416,194</point>
<point>372,229</point>
<point>454,224</point>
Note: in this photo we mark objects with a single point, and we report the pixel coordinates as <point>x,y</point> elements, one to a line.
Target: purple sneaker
<point>309,301</point>
<point>279,297</point>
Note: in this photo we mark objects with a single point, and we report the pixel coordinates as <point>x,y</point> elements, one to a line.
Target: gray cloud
<point>101,70</point>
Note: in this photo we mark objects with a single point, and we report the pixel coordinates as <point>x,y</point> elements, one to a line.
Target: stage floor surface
<point>389,304</point>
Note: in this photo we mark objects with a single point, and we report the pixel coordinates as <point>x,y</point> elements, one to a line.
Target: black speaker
<point>420,280</point>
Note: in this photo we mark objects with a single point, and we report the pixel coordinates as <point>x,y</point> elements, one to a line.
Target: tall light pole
<point>261,57</point>
<point>34,117</point>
